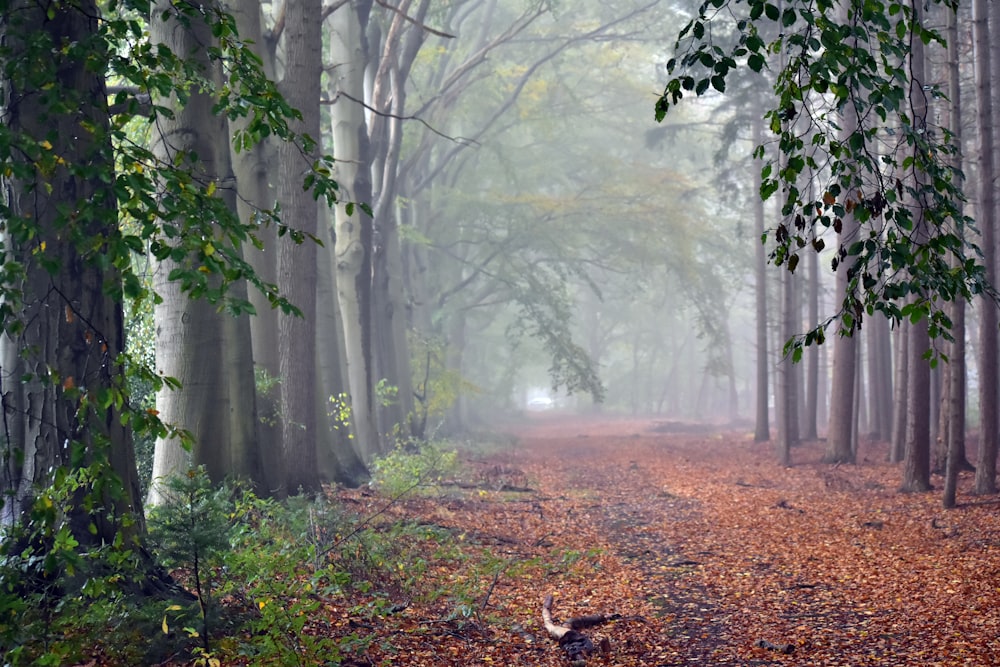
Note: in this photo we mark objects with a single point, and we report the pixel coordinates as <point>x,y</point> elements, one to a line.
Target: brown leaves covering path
<point>714,545</point>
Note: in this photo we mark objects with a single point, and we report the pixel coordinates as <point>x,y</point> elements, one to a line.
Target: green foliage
<point>893,172</point>
<point>408,468</point>
<point>436,386</point>
<point>190,530</point>
<point>57,600</point>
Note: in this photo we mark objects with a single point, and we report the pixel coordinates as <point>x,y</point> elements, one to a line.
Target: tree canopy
<point>893,172</point>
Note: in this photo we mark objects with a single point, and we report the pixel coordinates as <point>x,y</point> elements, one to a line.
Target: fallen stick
<point>787,649</point>
<point>574,643</point>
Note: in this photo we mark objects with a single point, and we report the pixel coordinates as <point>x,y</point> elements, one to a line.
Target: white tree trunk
<point>352,250</point>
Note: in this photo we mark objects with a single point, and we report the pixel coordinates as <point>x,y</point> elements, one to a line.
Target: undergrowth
<point>299,582</point>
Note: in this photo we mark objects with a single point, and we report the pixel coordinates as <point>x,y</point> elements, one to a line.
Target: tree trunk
<point>253,169</point>
<point>786,386</point>
<point>810,430</point>
<point>63,337</point>
<point>916,459</point>
<point>840,445</point>
<point>899,403</point>
<point>955,427</point>
<point>338,459</point>
<point>194,342</point>
<point>300,86</point>
<point>988,349</point>
<point>354,231</point>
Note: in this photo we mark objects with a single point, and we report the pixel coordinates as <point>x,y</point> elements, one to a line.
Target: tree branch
<point>422,26</point>
<point>462,141</point>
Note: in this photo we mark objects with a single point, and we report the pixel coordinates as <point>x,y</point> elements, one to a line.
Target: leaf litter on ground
<point>710,551</point>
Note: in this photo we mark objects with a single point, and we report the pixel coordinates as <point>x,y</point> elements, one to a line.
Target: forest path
<point>731,550</point>
<point>726,555</point>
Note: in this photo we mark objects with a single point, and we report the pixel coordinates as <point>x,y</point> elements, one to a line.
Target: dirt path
<point>728,548</point>
<point>718,549</point>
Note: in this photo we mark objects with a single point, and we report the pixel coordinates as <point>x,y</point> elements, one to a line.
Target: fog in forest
<point>585,257</point>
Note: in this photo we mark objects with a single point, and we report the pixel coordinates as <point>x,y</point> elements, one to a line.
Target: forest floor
<point>712,553</point>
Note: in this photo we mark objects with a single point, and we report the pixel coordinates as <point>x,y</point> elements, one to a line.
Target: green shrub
<point>408,468</point>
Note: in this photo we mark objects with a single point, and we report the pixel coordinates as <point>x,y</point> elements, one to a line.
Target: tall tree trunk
<point>300,86</point>
<point>988,348</point>
<point>880,377</point>
<point>840,446</point>
<point>64,334</point>
<point>810,429</point>
<point>338,459</point>
<point>194,342</point>
<point>786,385</point>
<point>762,427</point>
<point>955,428</point>
<point>916,459</point>
<point>354,231</point>
<point>253,169</point>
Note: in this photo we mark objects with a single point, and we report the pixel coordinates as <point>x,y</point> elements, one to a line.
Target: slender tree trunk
<point>786,386</point>
<point>810,430</point>
<point>916,460</point>
<point>840,445</point>
<point>338,458</point>
<point>762,428</point>
<point>988,348</point>
<point>955,428</point>
<point>354,242</point>
<point>899,402</point>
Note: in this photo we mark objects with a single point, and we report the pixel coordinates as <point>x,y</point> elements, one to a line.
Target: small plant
<point>191,531</point>
<point>407,468</point>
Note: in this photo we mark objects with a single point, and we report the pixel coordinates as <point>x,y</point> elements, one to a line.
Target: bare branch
<point>458,140</point>
<point>383,3</point>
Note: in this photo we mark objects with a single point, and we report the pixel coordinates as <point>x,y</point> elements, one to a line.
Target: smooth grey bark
<point>880,377</point>
<point>300,85</point>
<point>811,405</point>
<point>208,352</point>
<point>785,404</point>
<point>73,333</point>
<point>402,42</point>
<point>352,259</point>
<point>901,388</point>
<point>338,459</point>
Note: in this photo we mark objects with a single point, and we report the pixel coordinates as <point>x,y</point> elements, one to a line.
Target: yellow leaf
<point>209,249</point>
<point>45,144</point>
<point>166,629</point>
<point>210,190</point>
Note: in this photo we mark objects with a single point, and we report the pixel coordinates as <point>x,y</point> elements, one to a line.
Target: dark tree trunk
<point>64,333</point>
